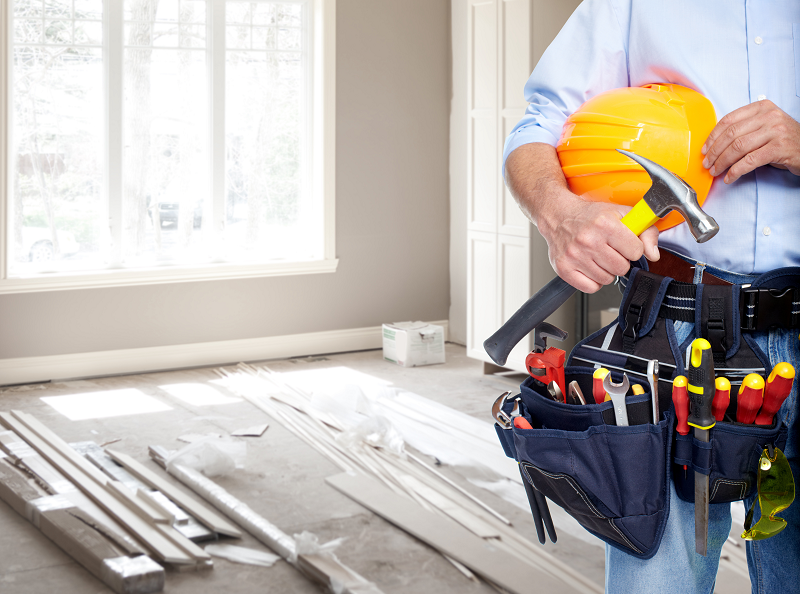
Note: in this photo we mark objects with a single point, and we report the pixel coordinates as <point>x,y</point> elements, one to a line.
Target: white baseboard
<point>25,370</point>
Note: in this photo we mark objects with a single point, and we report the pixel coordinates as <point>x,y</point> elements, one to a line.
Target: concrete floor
<point>284,480</point>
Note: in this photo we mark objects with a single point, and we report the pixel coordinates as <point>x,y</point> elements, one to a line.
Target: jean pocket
<point>796,37</point>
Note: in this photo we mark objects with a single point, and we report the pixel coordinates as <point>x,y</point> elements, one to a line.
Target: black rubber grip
<point>532,313</point>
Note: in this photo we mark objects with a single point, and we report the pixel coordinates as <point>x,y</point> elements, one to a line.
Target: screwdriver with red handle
<point>722,397</point>
<point>779,384</point>
<point>598,391</point>
<point>750,398</point>
<point>680,398</point>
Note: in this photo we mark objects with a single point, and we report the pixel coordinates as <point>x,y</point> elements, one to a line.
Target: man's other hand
<point>587,243</point>
<point>754,135</point>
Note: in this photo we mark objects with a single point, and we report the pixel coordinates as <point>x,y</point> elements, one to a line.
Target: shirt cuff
<point>525,135</point>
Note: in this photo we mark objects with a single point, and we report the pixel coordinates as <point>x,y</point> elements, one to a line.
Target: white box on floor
<point>411,344</point>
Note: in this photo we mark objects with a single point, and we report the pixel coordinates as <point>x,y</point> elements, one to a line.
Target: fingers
<point>583,283</point>
<point>752,136</point>
<point>597,254</point>
<point>731,119</point>
<point>733,143</point>
<point>649,241</point>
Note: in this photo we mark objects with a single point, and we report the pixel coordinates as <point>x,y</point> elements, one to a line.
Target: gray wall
<point>392,126</point>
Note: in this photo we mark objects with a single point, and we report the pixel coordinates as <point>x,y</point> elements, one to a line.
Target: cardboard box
<point>412,344</point>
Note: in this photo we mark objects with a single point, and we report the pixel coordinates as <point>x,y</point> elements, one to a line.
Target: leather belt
<point>675,267</point>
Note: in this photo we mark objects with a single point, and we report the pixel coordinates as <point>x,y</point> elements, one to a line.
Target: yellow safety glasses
<point>775,494</point>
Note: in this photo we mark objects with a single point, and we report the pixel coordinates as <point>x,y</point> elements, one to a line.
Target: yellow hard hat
<point>665,123</point>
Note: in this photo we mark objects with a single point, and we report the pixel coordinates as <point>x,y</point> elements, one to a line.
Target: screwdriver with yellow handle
<point>701,389</point>
<point>779,385</point>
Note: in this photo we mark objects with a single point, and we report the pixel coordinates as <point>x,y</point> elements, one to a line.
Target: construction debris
<point>322,567</point>
<point>365,437</point>
<point>244,555</point>
<point>80,536</point>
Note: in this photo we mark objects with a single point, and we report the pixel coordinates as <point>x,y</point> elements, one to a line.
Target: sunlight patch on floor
<point>198,394</point>
<point>106,403</point>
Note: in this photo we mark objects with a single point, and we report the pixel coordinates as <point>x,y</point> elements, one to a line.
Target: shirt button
<point>758,41</point>
<point>767,231</point>
<point>762,97</point>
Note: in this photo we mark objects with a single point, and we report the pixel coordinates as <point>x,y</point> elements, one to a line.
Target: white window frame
<point>323,145</point>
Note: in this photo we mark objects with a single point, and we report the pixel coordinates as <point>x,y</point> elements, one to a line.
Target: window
<point>159,140</point>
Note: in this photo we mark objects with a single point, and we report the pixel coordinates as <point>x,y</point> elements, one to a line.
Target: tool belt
<point>614,480</point>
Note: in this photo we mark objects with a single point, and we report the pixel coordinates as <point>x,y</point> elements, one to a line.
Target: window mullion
<point>113,48</point>
<point>216,82</point>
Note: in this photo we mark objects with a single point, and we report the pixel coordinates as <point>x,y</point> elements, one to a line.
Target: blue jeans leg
<point>676,567</point>
<point>774,563</point>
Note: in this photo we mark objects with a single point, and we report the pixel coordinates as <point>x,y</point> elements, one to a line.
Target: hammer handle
<point>639,218</point>
<point>550,297</point>
<point>532,313</point>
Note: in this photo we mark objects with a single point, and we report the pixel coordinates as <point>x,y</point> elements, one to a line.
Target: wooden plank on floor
<point>203,513</point>
<point>447,536</point>
<point>154,540</point>
<point>79,536</point>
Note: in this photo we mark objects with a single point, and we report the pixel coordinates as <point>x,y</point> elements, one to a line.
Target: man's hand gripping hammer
<point>667,192</point>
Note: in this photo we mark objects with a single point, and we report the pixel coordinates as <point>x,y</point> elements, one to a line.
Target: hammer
<point>667,192</point>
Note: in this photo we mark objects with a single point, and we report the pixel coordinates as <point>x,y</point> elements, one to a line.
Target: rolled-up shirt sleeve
<point>587,57</point>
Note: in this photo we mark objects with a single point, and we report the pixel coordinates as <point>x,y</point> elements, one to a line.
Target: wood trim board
<point>204,514</point>
<point>155,541</point>
<point>81,537</point>
<point>447,536</point>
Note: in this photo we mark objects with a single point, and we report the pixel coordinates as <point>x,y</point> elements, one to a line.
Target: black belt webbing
<point>760,308</point>
<point>678,302</point>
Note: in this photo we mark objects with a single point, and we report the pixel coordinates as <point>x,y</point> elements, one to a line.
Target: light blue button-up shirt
<point>733,52</point>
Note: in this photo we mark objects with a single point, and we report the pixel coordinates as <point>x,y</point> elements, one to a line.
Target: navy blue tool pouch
<point>612,480</point>
<point>645,329</point>
<point>730,459</point>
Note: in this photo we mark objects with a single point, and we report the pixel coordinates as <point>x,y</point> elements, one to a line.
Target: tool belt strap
<point>759,308</point>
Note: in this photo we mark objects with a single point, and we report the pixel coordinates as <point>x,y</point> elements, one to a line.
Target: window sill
<point>157,276</point>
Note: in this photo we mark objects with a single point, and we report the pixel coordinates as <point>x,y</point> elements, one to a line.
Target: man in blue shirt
<point>745,58</point>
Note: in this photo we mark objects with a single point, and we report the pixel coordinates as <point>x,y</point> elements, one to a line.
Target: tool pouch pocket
<point>612,480</point>
<point>729,458</point>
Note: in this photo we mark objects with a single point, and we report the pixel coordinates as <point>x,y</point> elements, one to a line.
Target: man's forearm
<point>534,178</point>
<point>587,244</point>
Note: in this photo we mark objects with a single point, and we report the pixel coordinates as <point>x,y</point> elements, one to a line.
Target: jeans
<point>676,568</point>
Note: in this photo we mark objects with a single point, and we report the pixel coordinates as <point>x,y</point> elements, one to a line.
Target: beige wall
<point>392,125</point>
<point>547,19</point>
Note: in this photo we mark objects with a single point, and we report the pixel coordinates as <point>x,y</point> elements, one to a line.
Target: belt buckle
<point>762,309</point>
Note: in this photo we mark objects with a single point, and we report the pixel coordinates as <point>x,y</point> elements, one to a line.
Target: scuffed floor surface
<point>284,480</point>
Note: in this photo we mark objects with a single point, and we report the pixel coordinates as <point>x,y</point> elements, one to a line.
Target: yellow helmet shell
<point>665,123</point>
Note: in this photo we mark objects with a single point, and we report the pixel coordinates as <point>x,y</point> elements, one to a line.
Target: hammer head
<point>669,192</point>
